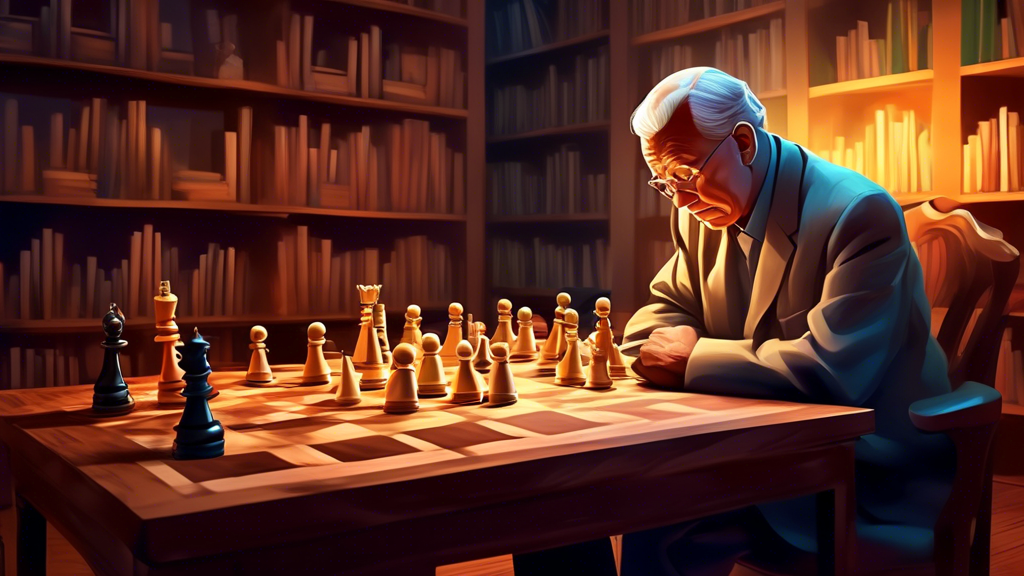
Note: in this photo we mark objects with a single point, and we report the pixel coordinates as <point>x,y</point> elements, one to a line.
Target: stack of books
<point>522,25</point>
<point>758,57</point>
<point>985,36</point>
<point>895,151</point>
<point>48,285</point>
<point>906,47</point>
<point>651,15</point>
<point>449,7</point>
<point>46,367</point>
<point>573,93</point>
<point>1010,370</point>
<point>992,155</point>
<point>522,188</point>
<point>394,166</point>
<point>542,263</point>
<point>313,277</point>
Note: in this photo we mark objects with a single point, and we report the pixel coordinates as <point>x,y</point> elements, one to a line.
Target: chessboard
<point>285,440</point>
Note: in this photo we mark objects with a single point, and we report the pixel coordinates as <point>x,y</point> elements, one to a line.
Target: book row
<point>523,188</point>
<point>46,367</point>
<point>401,166</point>
<point>991,30</point>
<point>895,151</point>
<point>204,41</point>
<point>572,92</point>
<point>992,155</point>
<point>1010,370</point>
<point>46,284</point>
<point>906,47</point>
<point>540,263</point>
<point>312,276</point>
<point>652,15</point>
<point>521,25</point>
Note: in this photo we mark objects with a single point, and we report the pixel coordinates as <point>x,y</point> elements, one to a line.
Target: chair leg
<point>981,548</point>
<point>31,539</point>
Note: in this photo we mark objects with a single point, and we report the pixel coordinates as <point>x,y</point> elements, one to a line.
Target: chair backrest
<point>969,272</point>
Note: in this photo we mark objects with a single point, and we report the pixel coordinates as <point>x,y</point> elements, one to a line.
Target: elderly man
<point>792,279</point>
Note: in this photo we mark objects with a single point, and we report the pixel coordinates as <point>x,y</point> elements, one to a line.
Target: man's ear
<point>746,140</point>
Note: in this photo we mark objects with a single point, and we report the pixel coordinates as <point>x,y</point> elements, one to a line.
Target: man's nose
<point>682,198</point>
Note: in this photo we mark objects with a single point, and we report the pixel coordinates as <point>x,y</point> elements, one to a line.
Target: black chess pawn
<point>110,393</point>
<point>198,434</point>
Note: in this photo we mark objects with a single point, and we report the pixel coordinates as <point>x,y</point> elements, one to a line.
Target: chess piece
<point>472,333</point>
<point>597,370</point>
<point>430,376</point>
<point>348,390</point>
<point>316,370</point>
<point>503,333</point>
<point>570,368</point>
<point>502,385</point>
<point>483,360</point>
<point>380,326</point>
<point>605,338</point>
<point>400,391</point>
<point>170,383</point>
<point>449,355</point>
<point>110,394</point>
<point>333,357</point>
<point>259,368</point>
<point>525,349</point>
<point>229,65</point>
<point>554,346</point>
<point>411,331</point>
<point>368,358</point>
<point>468,386</point>
<point>198,435</point>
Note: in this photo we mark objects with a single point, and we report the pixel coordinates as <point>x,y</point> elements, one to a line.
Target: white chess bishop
<point>605,338</point>
<point>411,331</point>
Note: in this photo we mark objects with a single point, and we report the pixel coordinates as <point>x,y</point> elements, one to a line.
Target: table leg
<point>837,516</point>
<point>31,539</point>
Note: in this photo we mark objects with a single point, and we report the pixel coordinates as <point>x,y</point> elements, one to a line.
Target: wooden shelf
<point>708,24</point>
<point>553,46</point>
<point>769,94</point>
<point>602,126</point>
<point>541,218</point>
<point>979,197</point>
<point>246,86</point>
<point>387,6</point>
<point>876,84</point>
<point>261,209</point>
<point>1015,409</point>
<point>916,198</point>
<point>1010,67</point>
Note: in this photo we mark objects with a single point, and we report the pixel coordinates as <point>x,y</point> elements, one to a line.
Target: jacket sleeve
<point>675,291</point>
<point>854,331</point>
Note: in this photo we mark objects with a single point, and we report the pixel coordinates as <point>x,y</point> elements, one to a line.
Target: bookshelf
<point>424,72</point>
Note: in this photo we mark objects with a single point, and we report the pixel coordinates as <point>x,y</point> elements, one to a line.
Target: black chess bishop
<point>110,394</point>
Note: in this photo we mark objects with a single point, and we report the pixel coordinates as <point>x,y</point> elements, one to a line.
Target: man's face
<point>721,193</point>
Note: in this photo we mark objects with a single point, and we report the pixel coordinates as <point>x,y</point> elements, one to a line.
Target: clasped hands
<point>664,356</point>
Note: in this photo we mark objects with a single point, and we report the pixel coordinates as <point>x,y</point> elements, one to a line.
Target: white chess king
<point>170,385</point>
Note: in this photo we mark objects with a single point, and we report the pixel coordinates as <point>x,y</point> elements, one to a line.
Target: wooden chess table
<point>310,487</point>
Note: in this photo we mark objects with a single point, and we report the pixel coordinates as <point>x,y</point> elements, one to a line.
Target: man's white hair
<point>717,102</point>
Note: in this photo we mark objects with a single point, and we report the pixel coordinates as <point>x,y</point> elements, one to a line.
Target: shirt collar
<point>758,223</point>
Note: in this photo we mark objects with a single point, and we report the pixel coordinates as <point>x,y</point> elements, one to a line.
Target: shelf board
<point>1015,409</point>
<point>979,197</point>
<point>876,84</point>
<point>261,209</point>
<point>551,47</point>
<point>916,198</point>
<point>601,126</point>
<point>707,24</point>
<point>387,6</point>
<point>1009,67</point>
<point>541,218</point>
<point>248,86</point>
<point>769,94</point>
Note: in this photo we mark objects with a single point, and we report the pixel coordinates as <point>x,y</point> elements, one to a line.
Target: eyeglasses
<point>667,186</point>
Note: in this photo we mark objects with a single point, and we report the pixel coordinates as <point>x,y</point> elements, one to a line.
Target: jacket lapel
<point>782,223</point>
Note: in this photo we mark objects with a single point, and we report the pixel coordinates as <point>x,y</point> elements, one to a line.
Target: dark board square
<point>549,423</point>
<point>229,466</point>
<point>461,435</point>
<point>365,448</point>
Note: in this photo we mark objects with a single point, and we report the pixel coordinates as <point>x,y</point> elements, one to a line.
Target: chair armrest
<point>971,405</point>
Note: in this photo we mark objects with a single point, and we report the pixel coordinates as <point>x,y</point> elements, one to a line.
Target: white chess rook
<point>597,370</point>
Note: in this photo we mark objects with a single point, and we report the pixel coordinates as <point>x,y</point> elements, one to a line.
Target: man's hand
<point>664,356</point>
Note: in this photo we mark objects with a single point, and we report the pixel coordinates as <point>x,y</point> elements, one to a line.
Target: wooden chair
<point>969,273</point>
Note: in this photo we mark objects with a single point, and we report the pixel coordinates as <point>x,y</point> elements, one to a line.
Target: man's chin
<point>715,219</point>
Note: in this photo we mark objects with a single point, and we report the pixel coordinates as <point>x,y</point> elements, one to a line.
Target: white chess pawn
<point>411,331</point>
<point>605,338</point>
<point>570,368</point>
<point>316,370</point>
<point>525,349</point>
<point>468,386</point>
<point>482,360</point>
<point>597,370</point>
<point>400,392</point>
<point>259,368</point>
<point>448,352</point>
<point>554,346</point>
<point>430,375</point>
<point>348,391</point>
<point>503,333</point>
<point>502,385</point>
